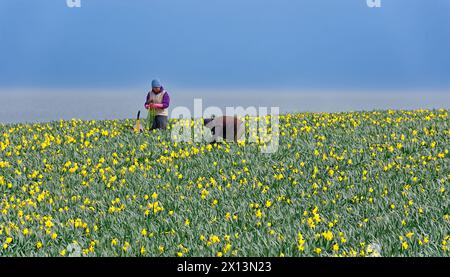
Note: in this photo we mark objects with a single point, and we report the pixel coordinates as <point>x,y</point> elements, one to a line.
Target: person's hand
<point>146,106</point>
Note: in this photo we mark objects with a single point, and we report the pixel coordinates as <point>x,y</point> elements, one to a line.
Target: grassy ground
<point>350,184</point>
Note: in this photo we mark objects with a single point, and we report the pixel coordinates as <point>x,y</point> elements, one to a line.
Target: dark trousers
<point>160,122</point>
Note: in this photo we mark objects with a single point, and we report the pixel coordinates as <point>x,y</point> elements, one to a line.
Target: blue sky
<point>301,44</point>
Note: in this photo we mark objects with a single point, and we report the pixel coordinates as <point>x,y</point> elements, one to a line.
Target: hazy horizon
<point>43,105</point>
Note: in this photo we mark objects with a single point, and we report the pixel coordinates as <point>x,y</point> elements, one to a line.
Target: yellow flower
<point>405,245</point>
<point>144,232</point>
<point>142,250</point>
<point>39,245</point>
<point>311,223</point>
<point>318,250</point>
<point>227,216</point>
<point>48,224</point>
<point>125,246</point>
<point>114,242</point>
<point>328,235</point>
<point>300,242</point>
<point>335,247</point>
<point>258,213</point>
<point>214,239</point>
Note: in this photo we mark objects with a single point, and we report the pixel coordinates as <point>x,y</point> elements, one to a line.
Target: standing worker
<point>159,100</point>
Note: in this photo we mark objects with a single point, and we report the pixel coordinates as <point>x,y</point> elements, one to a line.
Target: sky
<point>245,44</point>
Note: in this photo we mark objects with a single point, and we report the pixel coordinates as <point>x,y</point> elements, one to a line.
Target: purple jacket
<point>165,100</point>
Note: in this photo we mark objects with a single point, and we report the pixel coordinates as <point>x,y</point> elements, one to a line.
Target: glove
<point>156,106</point>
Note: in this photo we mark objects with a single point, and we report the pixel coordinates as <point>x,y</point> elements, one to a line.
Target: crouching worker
<point>229,128</point>
<point>158,99</point>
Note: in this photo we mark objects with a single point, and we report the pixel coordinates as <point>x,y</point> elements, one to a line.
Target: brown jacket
<point>227,127</point>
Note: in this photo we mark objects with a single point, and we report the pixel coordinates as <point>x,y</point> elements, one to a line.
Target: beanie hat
<point>156,84</point>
